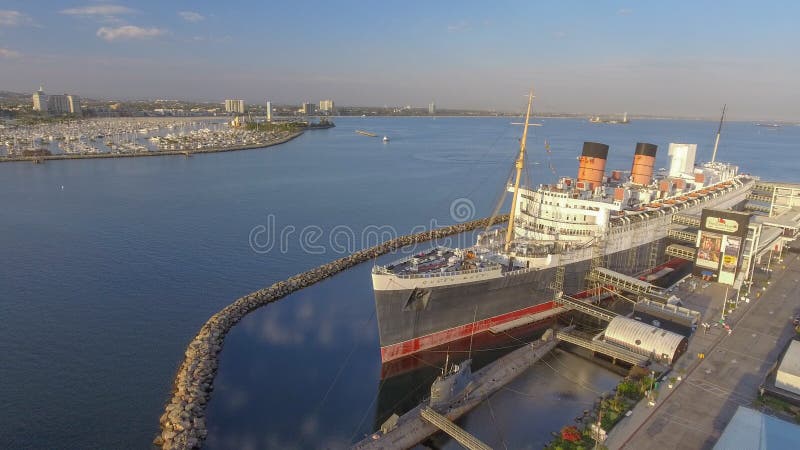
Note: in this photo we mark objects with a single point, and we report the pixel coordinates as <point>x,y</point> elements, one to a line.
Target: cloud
<point>105,13</point>
<point>9,18</point>
<point>559,34</point>
<point>458,27</point>
<point>624,12</point>
<point>191,16</point>
<point>98,10</point>
<point>6,53</point>
<point>128,32</point>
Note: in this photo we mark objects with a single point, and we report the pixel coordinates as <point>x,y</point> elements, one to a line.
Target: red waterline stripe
<point>394,351</point>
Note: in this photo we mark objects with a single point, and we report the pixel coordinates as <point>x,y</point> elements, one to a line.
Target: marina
<point>123,137</point>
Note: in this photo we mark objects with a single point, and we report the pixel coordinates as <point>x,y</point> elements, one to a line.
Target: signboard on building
<point>719,244</point>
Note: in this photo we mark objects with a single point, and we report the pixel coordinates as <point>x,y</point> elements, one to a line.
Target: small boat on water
<point>366,133</point>
<point>386,139</point>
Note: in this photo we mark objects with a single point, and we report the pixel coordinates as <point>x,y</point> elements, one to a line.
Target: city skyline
<point>672,59</point>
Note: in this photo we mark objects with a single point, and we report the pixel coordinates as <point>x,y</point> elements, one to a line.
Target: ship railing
<point>410,257</point>
<point>617,224</point>
<point>446,274</point>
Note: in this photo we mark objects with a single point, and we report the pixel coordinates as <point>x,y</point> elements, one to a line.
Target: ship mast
<point>719,130</point>
<point>520,164</point>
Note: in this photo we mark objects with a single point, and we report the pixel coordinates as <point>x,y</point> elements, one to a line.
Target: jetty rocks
<point>183,422</point>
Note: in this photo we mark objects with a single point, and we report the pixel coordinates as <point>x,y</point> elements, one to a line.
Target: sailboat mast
<point>520,164</point>
<point>719,131</point>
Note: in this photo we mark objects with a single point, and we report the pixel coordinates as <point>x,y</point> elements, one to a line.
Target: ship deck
<point>437,260</point>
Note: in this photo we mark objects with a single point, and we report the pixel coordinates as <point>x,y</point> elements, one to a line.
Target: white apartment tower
<point>234,106</point>
<point>40,100</point>
<point>327,106</point>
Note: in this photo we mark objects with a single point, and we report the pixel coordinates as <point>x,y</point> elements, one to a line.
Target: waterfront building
<point>307,108</point>
<point>40,100</point>
<point>74,103</point>
<point>327,106</point>
<point>234,106</point>
<point>58,104</point>
<point>431,108</point>
<point>269,111</point>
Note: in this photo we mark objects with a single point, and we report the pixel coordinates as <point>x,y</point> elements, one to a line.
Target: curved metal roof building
<point>646,339</point>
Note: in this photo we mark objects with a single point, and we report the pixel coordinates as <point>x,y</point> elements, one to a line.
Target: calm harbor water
<point>111,266</point>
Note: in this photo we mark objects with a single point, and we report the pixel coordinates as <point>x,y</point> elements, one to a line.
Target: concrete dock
<point>693,414</point>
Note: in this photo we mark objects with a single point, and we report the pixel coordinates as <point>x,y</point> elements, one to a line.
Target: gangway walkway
<point>586,307</point>
<point>682,235</point>
<point>627,283</point>
<point>603,347</point>
<point>459,434</point>
<point>685,219</point>
<point>680,251</point>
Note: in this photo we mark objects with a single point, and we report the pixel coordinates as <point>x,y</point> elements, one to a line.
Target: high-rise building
<point>58,104</point>
<point>40,100</point>
<point>431,108</point>
<point>234,106</point>
<point>269,111</point>
<point>327,106</point>
<point>74,103</point>
<point>307,108</point>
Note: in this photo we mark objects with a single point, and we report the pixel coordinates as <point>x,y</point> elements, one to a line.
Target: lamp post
<point>652,401</point>
<point>724,303</point>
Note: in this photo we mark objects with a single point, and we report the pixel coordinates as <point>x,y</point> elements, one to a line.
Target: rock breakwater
<point>183,421</point>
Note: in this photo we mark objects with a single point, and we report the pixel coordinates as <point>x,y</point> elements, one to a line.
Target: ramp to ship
<point>586,307</point>
<point>684,235</point>
<point>603,347</point>
<point>686,219</point>
<point>627,283</point>
<point>459,434</point>
<point>681,251</point>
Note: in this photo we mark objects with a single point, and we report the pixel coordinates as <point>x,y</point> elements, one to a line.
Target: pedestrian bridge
<point>600,346</point>
<point>586,307</point>
<point>681,251</point>
<point>459,434</point>
<point>627,283</point>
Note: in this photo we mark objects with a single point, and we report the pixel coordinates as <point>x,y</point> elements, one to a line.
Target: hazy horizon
<point>661,59</point>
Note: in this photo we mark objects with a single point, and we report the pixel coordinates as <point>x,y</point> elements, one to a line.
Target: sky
<point>661,58</point>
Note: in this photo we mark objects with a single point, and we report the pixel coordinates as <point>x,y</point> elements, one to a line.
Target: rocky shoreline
<point>145,154</point>
<point>183,421</point>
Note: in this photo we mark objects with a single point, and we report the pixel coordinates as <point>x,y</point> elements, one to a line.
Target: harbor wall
<point>183,421</point>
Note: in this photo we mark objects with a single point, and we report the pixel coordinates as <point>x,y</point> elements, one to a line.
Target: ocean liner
<point>554,233</point>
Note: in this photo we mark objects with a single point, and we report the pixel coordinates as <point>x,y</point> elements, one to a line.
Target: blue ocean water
<point>109,267</point>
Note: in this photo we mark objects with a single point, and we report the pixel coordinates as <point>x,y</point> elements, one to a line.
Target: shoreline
<point>58,157</point>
